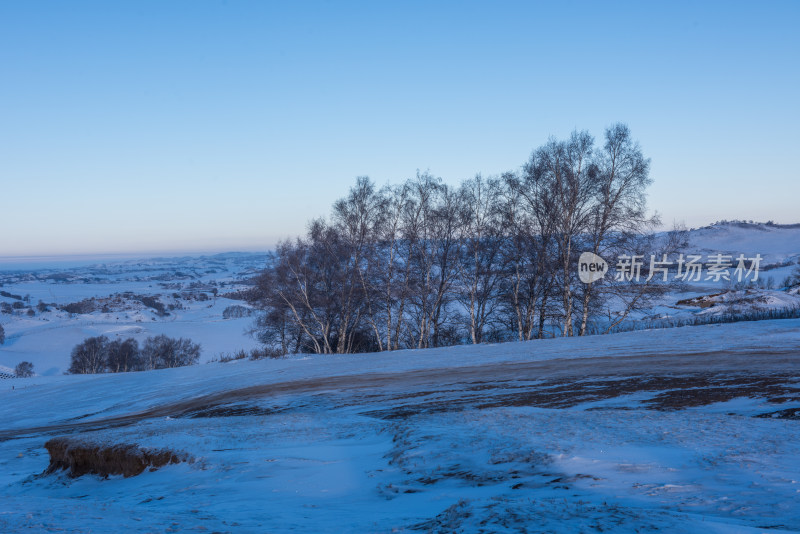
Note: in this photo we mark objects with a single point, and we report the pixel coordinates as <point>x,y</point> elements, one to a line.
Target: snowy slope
<point>653,430</point>
<point>779,248</point>
<point>775,243</point>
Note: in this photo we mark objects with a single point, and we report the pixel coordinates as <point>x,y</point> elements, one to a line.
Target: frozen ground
<point>690,429</point>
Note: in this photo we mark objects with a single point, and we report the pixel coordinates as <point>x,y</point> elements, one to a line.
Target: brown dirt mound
<point>80,458</point>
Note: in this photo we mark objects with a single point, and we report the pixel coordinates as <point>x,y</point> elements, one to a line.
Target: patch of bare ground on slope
<point>685,380</point>
<point>666,392</point>
<point>670,392</point>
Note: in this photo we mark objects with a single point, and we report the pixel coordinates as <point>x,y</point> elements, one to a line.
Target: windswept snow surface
<point>690,429</point>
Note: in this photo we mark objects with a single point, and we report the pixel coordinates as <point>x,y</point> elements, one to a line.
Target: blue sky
<point>194,126</point>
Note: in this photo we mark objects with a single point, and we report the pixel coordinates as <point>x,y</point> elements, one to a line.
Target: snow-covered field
<point>659,429</point>
<point>46,338</point>
<point>691,429</point>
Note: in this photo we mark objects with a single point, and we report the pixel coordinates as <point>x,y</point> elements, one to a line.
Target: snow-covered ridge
<point>776,244</point>
<point>97,396</point>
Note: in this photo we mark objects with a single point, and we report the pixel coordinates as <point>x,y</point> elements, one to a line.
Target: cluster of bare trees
<point>101,355</point>
<point>424,264</point>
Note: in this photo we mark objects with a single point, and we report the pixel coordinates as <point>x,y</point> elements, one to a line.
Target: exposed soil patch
<point>704,301</point>
<point>789,413</point>
<point>229,411</point>
<point>79,458</point>
<point>669,392</point>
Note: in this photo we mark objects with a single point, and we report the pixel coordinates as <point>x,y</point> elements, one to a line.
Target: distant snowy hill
<point>777,244</point>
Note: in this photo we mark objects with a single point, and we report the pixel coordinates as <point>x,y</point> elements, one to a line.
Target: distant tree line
<point>424,264</point>
<point>790,312</point>
<point>101,355</point>
<point>19,307</point>
<point>236,312</point>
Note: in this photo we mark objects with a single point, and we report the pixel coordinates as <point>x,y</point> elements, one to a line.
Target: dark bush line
<point>253,354</point>
<point>236,312</point>
<point>154,303</point>
<point>81,307</point>
<point>700,320</point>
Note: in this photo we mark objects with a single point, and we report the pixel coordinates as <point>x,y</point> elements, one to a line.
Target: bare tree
<point>89,357</point>
<point>276,326</point>
<point>424,264</point>
<point>305,292</point>
<point>123,356</point>
<point>23,370</point>
<point>358,219</point>
<point>447,238</point>
<point>619,210</point>
<point>525,261</point>
<point>420,231</point>
<point>479,269</point>
<point>162,352</point>
<point>391,276</point>
<point>564,172</point>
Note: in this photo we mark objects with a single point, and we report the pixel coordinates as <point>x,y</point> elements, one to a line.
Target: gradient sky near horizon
<point>209,126</point>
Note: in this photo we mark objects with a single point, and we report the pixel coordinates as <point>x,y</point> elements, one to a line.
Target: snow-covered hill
<point>777,244</point>
<point>778,247</point>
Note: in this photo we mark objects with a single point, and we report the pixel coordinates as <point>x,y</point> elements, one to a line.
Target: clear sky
<point>192,126</point>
